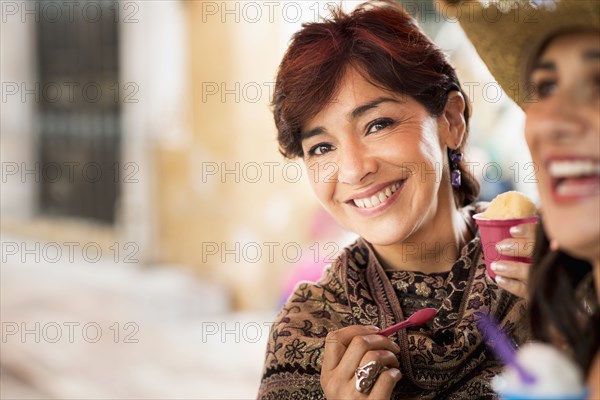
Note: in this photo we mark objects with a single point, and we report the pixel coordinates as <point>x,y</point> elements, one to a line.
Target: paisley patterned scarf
<point>444,359</point>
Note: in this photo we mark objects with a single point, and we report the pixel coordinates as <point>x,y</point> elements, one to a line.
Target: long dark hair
<point>555,307</point>
<point>385,44</point>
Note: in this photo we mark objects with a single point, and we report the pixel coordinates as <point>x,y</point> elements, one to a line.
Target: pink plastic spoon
<point>418,318</point>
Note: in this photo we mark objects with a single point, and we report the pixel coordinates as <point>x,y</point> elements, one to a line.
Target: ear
<point>454,120</point>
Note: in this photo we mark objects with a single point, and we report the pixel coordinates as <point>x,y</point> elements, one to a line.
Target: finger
<point>512,270</point>
<point>518,247</point>
<point>357,349</point>
<point>338,341</point>
<point>526,231</point>
<point>385,384</point>
<point>513,286</point>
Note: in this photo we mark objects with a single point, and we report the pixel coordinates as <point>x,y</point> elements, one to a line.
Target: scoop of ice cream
<point>555,374</point>
<point>510,205</point>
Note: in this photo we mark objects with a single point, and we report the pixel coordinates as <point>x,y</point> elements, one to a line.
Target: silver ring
<point>367,375</point>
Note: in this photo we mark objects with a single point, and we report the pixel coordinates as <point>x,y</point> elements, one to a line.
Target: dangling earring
<point>455,156</point>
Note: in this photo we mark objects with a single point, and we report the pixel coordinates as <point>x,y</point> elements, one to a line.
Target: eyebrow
<point>360,110</point>
<point>313,132</point>
<point>591,55</point>
<point>357,112</point>
<point>588,55</point>
<point>545,66</point>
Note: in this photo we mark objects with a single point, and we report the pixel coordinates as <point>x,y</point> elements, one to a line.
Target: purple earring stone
<point>455,178</point>
<point>455,157</point>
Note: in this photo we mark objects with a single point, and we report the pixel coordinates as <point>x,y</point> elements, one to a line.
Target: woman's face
<point>375,161</point>
<point>563,134</point>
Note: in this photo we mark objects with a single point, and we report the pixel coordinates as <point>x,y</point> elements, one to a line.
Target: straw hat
<point>509,33</point>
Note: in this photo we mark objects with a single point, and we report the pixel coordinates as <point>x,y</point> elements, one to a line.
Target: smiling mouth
<point>574,179</point>
<point>377,198</point>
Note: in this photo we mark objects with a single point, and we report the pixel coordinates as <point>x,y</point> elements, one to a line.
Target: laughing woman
<point>555,62</point>
<point>379,118</point>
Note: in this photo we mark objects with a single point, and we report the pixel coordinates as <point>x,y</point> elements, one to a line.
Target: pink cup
<point>493,231</point>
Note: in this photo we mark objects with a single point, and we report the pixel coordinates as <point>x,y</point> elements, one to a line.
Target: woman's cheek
<point>311,173</point>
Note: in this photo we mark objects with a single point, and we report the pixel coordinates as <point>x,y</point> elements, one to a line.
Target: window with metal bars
<point>79,112</point>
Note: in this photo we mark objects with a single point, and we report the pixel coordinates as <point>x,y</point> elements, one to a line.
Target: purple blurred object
<point>503,348</point>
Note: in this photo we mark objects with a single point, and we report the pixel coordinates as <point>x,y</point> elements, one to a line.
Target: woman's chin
<point>575,228</point>
<point>584,249</point>
<point>581,243</point>
<point>382,238</point>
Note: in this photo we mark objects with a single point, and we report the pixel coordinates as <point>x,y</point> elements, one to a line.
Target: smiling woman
<point>381,144</point>
<point>380,120</point>
<point>555,64</point>
<point>563,135</point>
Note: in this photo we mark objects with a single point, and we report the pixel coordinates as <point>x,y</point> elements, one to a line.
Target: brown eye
<point>379,124</point>
<point>544,89</point>
<point>319,149</point>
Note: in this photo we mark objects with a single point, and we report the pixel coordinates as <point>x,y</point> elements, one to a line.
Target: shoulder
<point>328,288</point>
<point>321,300</point>
<point>312,310</point>
<point>297,338</point>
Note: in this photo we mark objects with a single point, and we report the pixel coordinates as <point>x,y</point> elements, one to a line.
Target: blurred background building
<point>141,184</point>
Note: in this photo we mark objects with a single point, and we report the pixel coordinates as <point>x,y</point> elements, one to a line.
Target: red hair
<point>386,46</point>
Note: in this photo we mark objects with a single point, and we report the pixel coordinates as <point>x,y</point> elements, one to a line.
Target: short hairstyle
<point>385,44</point>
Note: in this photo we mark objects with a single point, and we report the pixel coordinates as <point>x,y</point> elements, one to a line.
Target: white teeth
<point>375,201</point>
<point>573,168</point>
<point>377,198</point>
<point>359,203</point>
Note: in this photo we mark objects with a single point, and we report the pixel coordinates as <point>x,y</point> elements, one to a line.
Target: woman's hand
<point>513,276</point>
<point>350,348</point>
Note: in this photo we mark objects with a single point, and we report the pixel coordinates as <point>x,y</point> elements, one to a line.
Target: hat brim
<point>508,40</point>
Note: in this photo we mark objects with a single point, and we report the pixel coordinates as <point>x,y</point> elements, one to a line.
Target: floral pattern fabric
<point>443,359</point>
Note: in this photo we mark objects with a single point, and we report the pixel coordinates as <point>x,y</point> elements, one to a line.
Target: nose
<point>355,163</point>
<point>557,119</point>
